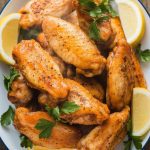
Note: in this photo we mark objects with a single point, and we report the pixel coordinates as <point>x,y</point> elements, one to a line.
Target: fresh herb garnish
<point>29,34</point>
<point>136,140</point>
<point>98,14</point>
<point>55,112</point>
<point>8,117</point>
<point>12,76</point>
<point>69,107</point>
<point>94,31</point>
<point>66,108</point>
<point>144,55</point>
<point>45,127</point>
<point>25,142</point>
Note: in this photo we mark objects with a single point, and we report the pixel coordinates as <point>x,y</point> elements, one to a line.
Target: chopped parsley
<point>9,79</point>
<point>25,142</point>
<point>98,14</point>
<point>136,140</point>
<point>45,127</point>
<point>7,117</point>
<point>144,55</point>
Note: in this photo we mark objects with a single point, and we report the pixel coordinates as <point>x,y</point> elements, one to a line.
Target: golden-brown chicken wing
<point>35,10</point>
<point>63,136</point>
<point>72,18</point>
<point>108,135</point>
<point>66,70</point>
<point>93,86</point>
<point>39,69</point>
<point>44,148</point>
<point>124,71</point>
<point>91,111</point>
<point>120,78</point>
<point>45,99</point>
<point>41,39</point>
<point>71,44</point>
<point>20,94</point>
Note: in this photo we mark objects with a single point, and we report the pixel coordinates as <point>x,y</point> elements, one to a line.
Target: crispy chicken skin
<point>105,30</point>
<point>45,99</point>
<point>36,10</point>
<point>72,18</point>
<point>124,71</point>
<point>44,148</point>
<point>92,86</point>
<point>91,111</point>
<point>20,94</point>
<point>120,78</point>
<point>66,70</point>
<point>41,39</point>
<point>71,44</point>
<point>63,136</point>
<point>108,135</point>
<point>39,69</point>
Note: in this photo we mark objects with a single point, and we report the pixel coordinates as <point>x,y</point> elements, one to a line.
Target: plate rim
<point>141,3</point>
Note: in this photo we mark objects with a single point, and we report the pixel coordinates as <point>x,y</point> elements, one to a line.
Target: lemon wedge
<point>140,111</point>
<point>133,20</point>
<point>9,31</point>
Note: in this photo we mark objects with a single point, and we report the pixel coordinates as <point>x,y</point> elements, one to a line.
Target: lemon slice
<point>9,31</point>
<point>133,20</point>
<point>140,111</point>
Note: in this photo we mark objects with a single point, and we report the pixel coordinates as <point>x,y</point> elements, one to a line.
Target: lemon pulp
<point>141,111</point>
<point>133,20</point>
<point>126,17</point>
<point>12,31</point>
<point>142,118</point>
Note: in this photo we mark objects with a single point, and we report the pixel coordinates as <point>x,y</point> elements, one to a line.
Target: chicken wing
<point>41,39</point>
<point>120,78</point>
<point>62,136</point>
<point>106,136</point>
<point>39,69</point>
<point>91,111</point>
<point>71,44</point>
<point>35,10</point>
<point>124,71</point>
<point>66,70</point>
<point>45,99</point>
<point>92,86</point>
<point>44,148</point>
<point>20,94</point>
<point>105,29</point>
<point>72,18</point>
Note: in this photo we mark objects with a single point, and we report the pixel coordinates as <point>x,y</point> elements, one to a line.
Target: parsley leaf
<point>12,76</point>
<point>127,145</point>
<point>66,108</point>
<point>55,112</point>
<point>87,3</point>
<point>8,117</point>
<point>144,55</point>
<point>25,142</point>
<point>45,127</point>
<point>94,31</point>
<point>69,107</point>
<point>136,140</point>
<point>97,14</point>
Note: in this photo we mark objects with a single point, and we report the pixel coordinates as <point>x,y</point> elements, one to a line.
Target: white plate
<point>9,135</point>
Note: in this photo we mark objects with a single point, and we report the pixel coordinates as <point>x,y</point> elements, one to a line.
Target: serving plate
<point>9,135</point>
